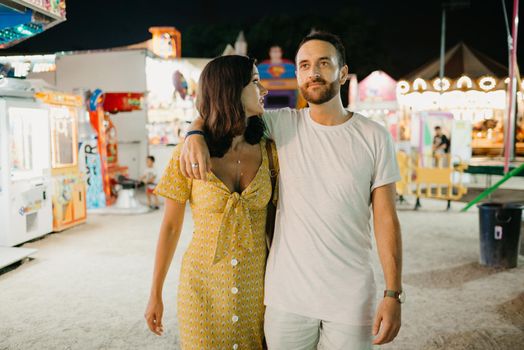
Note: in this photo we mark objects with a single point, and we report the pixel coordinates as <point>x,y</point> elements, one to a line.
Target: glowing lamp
<point>403,87</point>
<point>441,85</point>
<point>464,82</point>
<point>420,84</point>
<point>487,83</point>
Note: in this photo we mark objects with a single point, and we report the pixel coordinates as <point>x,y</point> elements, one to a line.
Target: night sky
<point>399,36</point>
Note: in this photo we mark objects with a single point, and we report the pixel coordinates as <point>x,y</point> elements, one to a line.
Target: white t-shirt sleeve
<point>385,168</point>
<point>277,121</point>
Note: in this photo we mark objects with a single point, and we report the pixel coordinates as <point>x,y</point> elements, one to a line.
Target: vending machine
<point>25,174</point>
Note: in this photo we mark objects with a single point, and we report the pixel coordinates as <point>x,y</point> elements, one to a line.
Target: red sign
<point>115,102</point>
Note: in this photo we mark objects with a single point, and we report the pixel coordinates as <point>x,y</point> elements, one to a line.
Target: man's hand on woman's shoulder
<point>195,161</point>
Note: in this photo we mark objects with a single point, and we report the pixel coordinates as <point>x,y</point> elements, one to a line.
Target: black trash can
<point>499,234</point>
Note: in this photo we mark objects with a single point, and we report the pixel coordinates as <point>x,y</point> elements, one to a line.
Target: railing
<point>441,180</point>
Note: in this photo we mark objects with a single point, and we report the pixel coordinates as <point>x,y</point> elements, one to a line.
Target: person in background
<point>440,148</point>
<point>149,178</point>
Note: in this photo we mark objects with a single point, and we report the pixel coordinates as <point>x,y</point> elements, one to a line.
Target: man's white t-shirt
<point>319,265</point>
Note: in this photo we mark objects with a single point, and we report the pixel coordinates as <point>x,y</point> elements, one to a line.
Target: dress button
<point>234,290</point>
<point>235,346</point>
<point>234,262</point>
<point>234,318</point>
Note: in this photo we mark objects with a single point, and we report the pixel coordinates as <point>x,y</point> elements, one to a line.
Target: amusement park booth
<point>154,68</point>
<point>69,190</point>
<point>377,99</point>
<point>25,164</point>
<point>473,90</point>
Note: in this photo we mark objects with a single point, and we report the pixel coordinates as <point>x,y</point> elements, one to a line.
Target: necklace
<point>239,173</point>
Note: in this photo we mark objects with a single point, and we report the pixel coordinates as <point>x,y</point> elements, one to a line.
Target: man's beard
<point>325,92</point>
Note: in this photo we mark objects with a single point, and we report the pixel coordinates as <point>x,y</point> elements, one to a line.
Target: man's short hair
<point>437,127</point>
<point>151,158</point>
<point>330,38</point>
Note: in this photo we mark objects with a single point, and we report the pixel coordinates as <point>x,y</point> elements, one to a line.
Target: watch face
<point>402,297</point>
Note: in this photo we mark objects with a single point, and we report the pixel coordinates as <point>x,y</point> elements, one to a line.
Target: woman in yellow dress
<point>220,295</point>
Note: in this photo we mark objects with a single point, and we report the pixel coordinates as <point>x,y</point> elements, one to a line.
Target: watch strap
<point>195,132</point>
<point>393,294</point>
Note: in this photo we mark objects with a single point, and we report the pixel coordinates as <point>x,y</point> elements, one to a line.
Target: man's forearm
<point>197,124</point>
<point>195,161</point>
<point>389,246</point>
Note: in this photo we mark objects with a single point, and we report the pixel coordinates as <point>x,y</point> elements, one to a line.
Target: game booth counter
<point>22,19</point>
<point>474,89</point>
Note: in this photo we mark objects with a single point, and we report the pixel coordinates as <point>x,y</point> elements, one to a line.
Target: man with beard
<point>320,289</point>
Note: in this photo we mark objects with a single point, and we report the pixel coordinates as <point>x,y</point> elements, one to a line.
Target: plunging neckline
<point>262,150</point>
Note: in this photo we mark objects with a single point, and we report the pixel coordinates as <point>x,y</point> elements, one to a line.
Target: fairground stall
<point>22,19</point>
<point>69,190</point>
<point>172,85</point>
<point>172,88</point>
<point>376,98</point>
<point>154,68</point>
<point>168,82</point>
<point>25,164</point>
<point>277,75</point>
<point>473,90</point>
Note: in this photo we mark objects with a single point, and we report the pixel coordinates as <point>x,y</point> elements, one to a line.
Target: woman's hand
<point>153,315</point>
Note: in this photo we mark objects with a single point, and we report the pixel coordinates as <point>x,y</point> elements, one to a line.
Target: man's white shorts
<point>287,331</point>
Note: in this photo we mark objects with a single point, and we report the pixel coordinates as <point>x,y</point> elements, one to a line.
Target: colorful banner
<point>95,195</point>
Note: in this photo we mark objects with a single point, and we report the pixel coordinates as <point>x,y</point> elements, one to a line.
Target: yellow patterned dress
<point>221,290</point>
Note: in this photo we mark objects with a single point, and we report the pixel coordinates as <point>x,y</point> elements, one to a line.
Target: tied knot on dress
<point>234,228</point>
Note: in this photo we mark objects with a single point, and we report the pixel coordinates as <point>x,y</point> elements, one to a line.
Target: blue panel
<point>11,18</point>
<point>276,71</point>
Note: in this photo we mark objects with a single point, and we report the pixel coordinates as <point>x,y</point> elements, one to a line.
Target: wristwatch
<point>400,295</point>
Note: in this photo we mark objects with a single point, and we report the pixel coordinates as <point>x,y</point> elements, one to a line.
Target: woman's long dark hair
<point>219,103</point>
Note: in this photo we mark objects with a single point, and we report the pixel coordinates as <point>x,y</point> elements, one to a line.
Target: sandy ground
<point>87,287</point>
